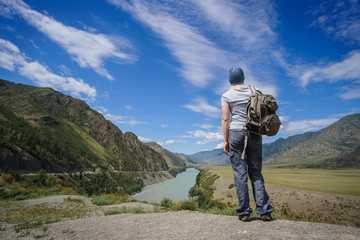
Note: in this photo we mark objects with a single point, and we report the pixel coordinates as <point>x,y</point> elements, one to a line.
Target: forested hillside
<point>43,128</point>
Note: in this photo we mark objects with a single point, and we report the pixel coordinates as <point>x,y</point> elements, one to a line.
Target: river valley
<point>176,189</point>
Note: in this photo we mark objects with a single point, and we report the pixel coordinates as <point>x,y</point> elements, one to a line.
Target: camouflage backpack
<point>261,118</point>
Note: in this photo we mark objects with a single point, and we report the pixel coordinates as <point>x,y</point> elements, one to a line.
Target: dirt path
<point>186,225</point>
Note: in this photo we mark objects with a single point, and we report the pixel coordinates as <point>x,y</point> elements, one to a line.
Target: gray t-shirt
<point>237,99</point>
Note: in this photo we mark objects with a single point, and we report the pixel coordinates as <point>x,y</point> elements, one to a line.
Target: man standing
<point>235,101</point>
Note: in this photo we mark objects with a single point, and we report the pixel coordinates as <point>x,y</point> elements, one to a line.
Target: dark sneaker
<point>244,218</point>
<point>266,217</point>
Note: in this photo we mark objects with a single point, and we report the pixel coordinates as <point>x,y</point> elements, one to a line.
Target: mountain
<point>171,159</point>
<point>43,128</point>
<point>337,146</point>
<point>187,159</point>
<point>213,157</point>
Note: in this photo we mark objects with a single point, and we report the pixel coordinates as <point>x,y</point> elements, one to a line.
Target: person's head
<point>236,76</point>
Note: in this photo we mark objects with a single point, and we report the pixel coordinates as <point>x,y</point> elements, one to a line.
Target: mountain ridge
<point>64,133</point>
<point>336,146</point>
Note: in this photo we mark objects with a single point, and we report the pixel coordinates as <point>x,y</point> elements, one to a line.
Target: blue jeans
<point>251,165</point>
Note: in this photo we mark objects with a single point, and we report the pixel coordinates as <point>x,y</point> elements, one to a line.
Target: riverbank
<point>176,189</point>
<point>17,186</point>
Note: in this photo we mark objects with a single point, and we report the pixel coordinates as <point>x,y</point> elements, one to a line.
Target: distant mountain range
<point>337,146</point>
<point>43,128</point>
<point>171,159</point>
<point>213,157</point>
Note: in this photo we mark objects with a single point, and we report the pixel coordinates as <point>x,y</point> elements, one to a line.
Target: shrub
<point>188,205</point>
<point>102,200</point>
<point>166,202</point>
<point>8,178</point>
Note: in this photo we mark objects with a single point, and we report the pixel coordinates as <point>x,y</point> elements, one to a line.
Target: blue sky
<point>158,68</point>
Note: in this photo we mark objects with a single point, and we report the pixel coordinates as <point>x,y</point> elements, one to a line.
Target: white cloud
<point>200,105</point>
<point>13,60</point>
<point>88,49</point>
<point>184,30</point>
<point>143,139</point>
<point>169,142</point>
<point>164,125</point>
<point>219,146</point>
<point>6,12</point>
<point>350,93</point>
<point>128,107</point>
<point>348,69</point>
<point>302,126</point>
<point>206,136</point>
<point>115,118</point>
<point>131,122</point>
<point>341,22</point>
<point>197,55</point>
<point>204,126</point>
<point>248,21</point>
<point>118,118</point>
<point>101,109</point>
<point>284,119</point>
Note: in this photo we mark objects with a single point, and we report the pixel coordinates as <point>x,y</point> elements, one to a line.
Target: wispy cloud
<point>302,126</point>
<point>348,69</point>
<point>88,49</point>
<point>169,142</point>
<point>341,22</point>
<point>204,126</point>
<point>118,118</point>
<point>143,139</point>
<point>248,21</point>
<point>206,136</point>
<point>198,56</point>
<point>13,60</point>
<point>185,25</point>
<point>200,105</point>
<point>350,92</point>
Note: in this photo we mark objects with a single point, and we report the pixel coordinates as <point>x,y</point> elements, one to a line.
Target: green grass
<point>341,182</point>
<point>36,216</point>
<point>125,210</point>
<point>110,199</point>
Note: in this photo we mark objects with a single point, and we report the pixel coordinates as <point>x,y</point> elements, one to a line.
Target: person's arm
<point>225,122</point>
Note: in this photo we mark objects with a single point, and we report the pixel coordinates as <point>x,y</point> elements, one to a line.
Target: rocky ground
<point>170,225</point>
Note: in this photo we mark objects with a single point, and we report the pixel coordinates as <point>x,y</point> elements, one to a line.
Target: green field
<point>343,182</point>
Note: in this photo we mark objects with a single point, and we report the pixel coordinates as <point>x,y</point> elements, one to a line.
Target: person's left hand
<point>226,148</point>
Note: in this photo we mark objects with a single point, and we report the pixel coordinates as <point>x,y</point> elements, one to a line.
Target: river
<point>176,189</point>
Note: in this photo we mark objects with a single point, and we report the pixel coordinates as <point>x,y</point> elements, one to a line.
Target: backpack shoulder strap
<point>252,89</point>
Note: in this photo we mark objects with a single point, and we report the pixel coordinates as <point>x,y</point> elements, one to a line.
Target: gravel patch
<point>54,199</point>
<point>186,225</point>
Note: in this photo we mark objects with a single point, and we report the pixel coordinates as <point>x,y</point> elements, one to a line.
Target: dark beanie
<point>236,76</point>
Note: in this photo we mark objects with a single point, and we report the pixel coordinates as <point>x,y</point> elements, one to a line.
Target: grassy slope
<point>342,182</point>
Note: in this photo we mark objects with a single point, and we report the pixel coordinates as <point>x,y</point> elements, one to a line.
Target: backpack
<point>260,115</point>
